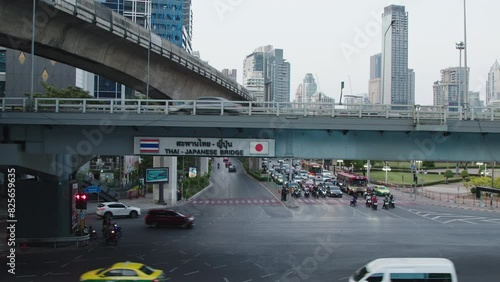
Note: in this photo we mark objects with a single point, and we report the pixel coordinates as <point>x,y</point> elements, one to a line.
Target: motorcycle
<point>374,206</point>
<point>353,202</point>
<point>118,230</point>
<point>307,193</point>
<point>322,193</point>
<point>385,205</point>
<point>296,193</point>
<point>368,202</point>
<point>92,233</point>
<point>392,203</point>
<point>111,238</point>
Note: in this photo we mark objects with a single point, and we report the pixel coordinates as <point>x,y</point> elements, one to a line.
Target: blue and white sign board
<point>209,147</point>
<point>82,215</point>
<point>93,189</point>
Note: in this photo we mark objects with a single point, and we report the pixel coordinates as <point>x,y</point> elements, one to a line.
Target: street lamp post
<point>383,67</point>
<point>460,46</point>
<point>465,54</point>
<point>149,53</point>
<point>32,55</point>
<point>386,168</point>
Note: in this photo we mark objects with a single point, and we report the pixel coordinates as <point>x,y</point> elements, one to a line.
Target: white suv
<point>112,209</point>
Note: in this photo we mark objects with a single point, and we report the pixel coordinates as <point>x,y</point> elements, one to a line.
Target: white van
<point>406,270</point>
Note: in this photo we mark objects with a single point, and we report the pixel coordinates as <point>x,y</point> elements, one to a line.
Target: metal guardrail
<point>435,115</point>
<point>13,104</point>
<point>54,240</point>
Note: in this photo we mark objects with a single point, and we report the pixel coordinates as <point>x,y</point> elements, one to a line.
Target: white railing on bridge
<point>420,114</point>
<point>13,104</point>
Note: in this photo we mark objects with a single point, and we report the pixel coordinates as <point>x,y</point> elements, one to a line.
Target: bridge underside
<point>68,39</point>
<point>344,140</point>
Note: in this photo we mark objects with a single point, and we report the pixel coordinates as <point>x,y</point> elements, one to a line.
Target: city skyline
<point>343,54</point>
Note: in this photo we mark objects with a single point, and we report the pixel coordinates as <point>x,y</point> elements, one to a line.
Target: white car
<point>112,209</point>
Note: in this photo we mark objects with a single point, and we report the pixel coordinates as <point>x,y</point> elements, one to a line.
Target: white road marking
<point>64,265</point>
<point>173,269</point>
<point>190,273</point>
<point>267,275</point>
<point>60,273</point>
<point>220,266</point>
<point>225,279</point>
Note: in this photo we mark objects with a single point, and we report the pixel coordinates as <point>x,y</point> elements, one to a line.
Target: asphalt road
<point>244,233</point>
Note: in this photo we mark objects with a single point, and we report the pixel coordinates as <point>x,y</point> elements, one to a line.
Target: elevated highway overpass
<point>90,127</point>
<point>89,36</point>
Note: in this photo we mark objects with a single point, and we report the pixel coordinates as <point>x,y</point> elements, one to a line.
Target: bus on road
<point>312,168</point>
<point>352,183</point>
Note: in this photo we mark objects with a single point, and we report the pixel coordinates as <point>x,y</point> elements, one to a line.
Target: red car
<point>228,164</point>
<point>168,217</point>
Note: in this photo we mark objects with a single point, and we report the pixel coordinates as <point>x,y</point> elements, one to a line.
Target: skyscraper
<point>232,73</point>
<point>298,94</point>
<point>447,90</point>
<point>411,87</point>
<point>266,75</point>
<point>374,82</point>
<point>253,75</point>
<point>395,56</point>
<point>170,19</point>
<point>277,77</point>
<point>493,84</point>
<point>309,87</point>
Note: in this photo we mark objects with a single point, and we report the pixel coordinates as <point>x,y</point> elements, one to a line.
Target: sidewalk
<point>453,195</point>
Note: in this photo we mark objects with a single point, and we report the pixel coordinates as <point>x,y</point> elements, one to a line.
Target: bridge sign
<point>93,189</point>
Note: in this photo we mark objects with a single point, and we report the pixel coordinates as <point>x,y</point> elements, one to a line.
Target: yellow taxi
<point>125,271</point>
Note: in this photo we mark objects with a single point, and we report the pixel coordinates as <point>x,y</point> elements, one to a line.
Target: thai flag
<point>149,145</point>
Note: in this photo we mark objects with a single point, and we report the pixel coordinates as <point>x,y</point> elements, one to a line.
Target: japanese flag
<point>259,148</point>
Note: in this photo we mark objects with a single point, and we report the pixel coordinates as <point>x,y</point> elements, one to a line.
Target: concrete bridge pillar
<point>169,193</point>
<point>40,195</point>
<point>203,166</point>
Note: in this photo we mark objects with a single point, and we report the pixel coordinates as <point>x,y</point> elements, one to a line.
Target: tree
<point>69,92</point>
<point>464,174</point>
<point>448,174</point>
<point>464,164</point>
<point>428,164</point>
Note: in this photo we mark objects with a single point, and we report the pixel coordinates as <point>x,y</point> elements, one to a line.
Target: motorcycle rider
<point>374,199</point>
<point>354,199</point>
<point>218,166</point>
<point>369,199</point>
<point>386,201</point>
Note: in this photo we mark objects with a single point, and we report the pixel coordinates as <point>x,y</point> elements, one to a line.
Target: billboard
<point>156,175</point>
<point>204,147</point>
<point>192,172</point>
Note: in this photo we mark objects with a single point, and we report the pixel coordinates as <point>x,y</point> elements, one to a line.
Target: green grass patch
<point>406,178</point>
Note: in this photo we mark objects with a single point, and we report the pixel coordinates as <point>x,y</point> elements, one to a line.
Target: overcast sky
<point>334,39</point>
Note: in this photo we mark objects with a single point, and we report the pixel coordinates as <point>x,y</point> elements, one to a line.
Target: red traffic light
<point>84,197</point>
<point>77,196</point>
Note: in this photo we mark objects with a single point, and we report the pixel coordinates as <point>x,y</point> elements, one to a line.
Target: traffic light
<point>81,201</point>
